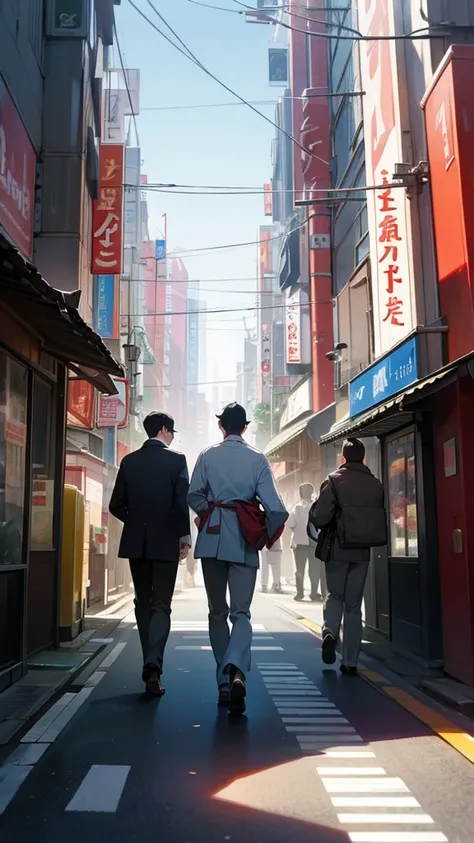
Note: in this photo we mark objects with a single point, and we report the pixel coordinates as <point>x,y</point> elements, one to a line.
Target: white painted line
<point>100,640</point>
<point>311,708</point>
<point>26,755</point>
<point>343,785</point>
<point>351,771</point>
<point>290,672</point>
<point>49,717</point>
<point>276,664</point>
<point>375,802</point>
<point>255,649</point>
<point>397,837</point>
<point>317,720</point>
<point>275,682</point>
<point>100,790</point>
<point>113,655</point>
<point>288,692</point>
<point>58,725</point>
<point>206,637</point>
<point>385,819</point>
<point>343,753</point>
<point>197,647</point>
<point>341,730</point>
<point>94,680</point>
<point>328,739</point>
<point>11,779</point>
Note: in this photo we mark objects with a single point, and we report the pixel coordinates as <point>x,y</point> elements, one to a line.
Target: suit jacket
<point>227,472</point>
<point>149,496</point>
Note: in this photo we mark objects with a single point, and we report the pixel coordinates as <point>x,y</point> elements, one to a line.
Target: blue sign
<point>105,305</point>
<point>393,373</point>
<point>160,250</point>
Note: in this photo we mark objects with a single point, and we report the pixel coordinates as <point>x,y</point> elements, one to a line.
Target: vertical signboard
<point>266,362</point>
<point>107,240</point>
<point>278,66</point>
<point>192,360</point>
<point>449,113</point>
<point>106,306</point>
<point>267,200</point>
<point>293,329</point>
<point>388,208</point>
<point>113,410</point>
<point>17,176</point>
<point>266,267</point>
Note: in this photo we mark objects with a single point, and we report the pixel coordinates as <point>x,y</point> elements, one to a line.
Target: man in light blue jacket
<point>229,472</point>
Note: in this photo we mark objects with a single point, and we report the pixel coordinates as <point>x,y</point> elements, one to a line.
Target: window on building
<point>13,439</point>
<point>402,503</point>
<point>353,327</point>
<point>42,458</point>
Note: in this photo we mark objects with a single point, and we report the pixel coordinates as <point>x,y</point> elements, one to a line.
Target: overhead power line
<point>186,52</point>
<point>230,309</point>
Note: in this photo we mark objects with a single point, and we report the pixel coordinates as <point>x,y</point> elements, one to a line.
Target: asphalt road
<point>319,758</point>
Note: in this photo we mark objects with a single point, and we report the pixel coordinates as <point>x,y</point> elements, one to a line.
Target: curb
<point>436,719</point>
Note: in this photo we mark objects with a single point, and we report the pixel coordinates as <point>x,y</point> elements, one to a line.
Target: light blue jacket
<point>228,472</point>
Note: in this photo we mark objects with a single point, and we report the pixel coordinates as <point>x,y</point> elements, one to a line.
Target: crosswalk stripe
<point>351,771</point>
<point>385,819</point>
<point>397,837</point>
<point>375,802</point>
<point>314,720</point>
<point>101,789</point>
<point>365,785</point>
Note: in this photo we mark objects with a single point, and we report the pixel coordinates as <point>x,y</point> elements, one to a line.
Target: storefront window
<point>402,496</point>
<point>42,456</point>
<point>13,429</point>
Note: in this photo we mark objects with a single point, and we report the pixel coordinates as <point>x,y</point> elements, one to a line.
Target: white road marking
<point>49,717</point>
<point>385,819</point>
<point>370,785</point>
<point>209,648</point>
<point>113,656</point>
<point>328,740</point>
<point>314,720</point>
<point>397,837</point>
<point>351,771</point>
<point>26,755</point>
<point>94,680</point>
<point>341,730</point>
<point>375,802</point>
<point>343,753</point>
<point>100,640</point>
<point>58,725</point>
<point>290,693</point>
<point>310,708</point>
<point>11,779</point>
<point>100,790</point>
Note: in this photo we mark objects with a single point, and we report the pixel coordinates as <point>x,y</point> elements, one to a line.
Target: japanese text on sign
<point>389,239</point>
<point>293,333</point>
<point>108,213</point>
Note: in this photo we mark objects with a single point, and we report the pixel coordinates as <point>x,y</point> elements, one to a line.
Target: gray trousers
<point>229,648</point>
<point>345,583</point>
<point>154,584</point>
<point>271,559</point>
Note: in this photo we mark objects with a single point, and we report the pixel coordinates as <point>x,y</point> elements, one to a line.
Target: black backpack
<point>361,525</point>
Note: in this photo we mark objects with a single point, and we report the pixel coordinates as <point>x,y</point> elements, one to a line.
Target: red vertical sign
<point>17,176</point>
<point>108,212</point>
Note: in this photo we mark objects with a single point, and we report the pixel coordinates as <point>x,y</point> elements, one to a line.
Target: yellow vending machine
<point>72,565</point>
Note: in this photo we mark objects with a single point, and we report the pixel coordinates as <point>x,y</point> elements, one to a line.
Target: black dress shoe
<point>154,685</point>
<point>238,692</point>
<point>224,696</point>
<point>329,648</point>
<point>348,671</point>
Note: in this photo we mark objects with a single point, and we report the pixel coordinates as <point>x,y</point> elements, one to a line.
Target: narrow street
<point>318,757</point>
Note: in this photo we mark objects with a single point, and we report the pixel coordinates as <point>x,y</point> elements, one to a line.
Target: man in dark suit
<point>150,498</point>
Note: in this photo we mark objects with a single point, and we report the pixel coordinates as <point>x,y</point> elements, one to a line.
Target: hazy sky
<point>205,146</point>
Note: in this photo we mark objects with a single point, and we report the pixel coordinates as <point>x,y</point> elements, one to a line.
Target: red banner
<point>80,404</point>
<point>108,212</point>
<point>265,254</point>
<point>17,176</point>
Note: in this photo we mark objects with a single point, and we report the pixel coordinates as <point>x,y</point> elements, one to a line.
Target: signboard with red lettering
<point>17,176</point>
<point>267,200</point>
<point>265,253</point>
<point>80,403</point>
<point>388,211</point>
<point>107,234</point>
<point>113,410</point>
<point>293,329</point>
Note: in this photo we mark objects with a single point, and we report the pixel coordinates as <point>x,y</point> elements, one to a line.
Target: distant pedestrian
<point>304,549</point>
<point>229,482</point>
<point>150,498</point>
<point>271,561</point>
<point>351,517</point>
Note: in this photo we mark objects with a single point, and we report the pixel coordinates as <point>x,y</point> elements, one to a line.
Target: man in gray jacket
<point>229,472</point>
<point>352,487</point>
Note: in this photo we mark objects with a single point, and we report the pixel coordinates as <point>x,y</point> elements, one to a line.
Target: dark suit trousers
<point>305,555</point>
<point>154,584</point>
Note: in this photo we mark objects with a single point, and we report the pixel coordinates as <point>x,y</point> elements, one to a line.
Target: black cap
<point>155,422</point>
<point>233,418</point>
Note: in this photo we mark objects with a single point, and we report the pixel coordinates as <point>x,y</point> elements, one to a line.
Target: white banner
<point>293,328</point>
<point>388,210</point>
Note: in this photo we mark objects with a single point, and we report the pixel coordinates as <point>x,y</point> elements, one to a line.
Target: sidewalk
<point>51,670</point>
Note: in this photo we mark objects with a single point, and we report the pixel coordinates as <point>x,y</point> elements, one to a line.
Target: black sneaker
<point>329,648</point>
<point>299,598</point>
<point>348,671</point>
<point>154,685</point>
<point>224,696</point>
